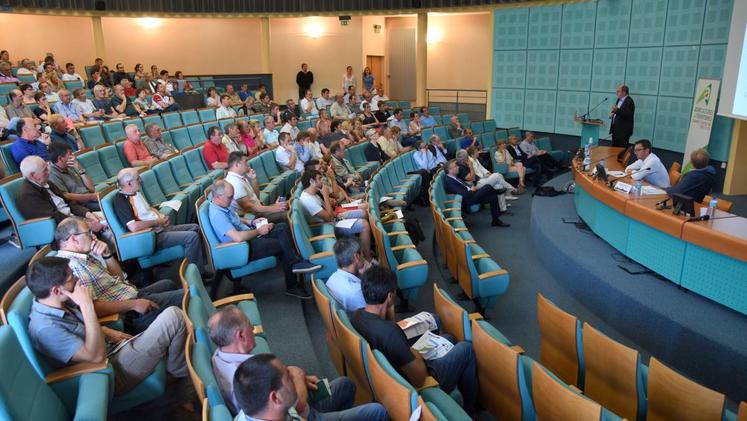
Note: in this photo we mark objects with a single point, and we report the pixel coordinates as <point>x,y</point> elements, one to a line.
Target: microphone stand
<point>585,116</point>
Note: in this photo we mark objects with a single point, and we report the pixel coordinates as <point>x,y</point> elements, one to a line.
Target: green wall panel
<point>613,22</point>
<point>577,29</point>
<point>510,29</point>
<point>545,24</point>
<point>539,110</point>
<point>684,22</point>
<point>542,69</point>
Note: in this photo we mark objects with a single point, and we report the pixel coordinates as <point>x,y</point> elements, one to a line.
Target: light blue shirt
<point>424,160</point>
<point>271,137</point>
<point>223,220</point>
<point>67,110</point>
<point>304,154</point>
<point>427,121</point>
<point>346,288</point>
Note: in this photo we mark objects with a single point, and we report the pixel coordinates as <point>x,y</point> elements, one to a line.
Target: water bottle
<point>712,208</point>
<point>638,188</point>
<point>587,154</point>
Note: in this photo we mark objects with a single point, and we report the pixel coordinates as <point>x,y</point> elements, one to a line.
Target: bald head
<point>34,168</point>
<point>127,178</point>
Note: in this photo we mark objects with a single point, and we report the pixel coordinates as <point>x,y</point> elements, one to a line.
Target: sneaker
<point>13,240</point>
<point>511,197</point>
<point>299,292</point>
<point>304,266</point>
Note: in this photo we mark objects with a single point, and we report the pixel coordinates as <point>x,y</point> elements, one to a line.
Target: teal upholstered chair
<point>401,256</point>
<point>197,166</point>
<point>30,232</point>
<point>206,114</point>
<point>172,119</point>
<point>190,117</point>
<point>25,396</point>
<point>114,131</point>
<point>72,85</point>
<point>314,247</point>
<point>92,136</point>
<point>89,159</point>
<point>153,119</point>
<point>171,188</point>
<point>180,137</point>
<point>139,245</point>
<point>182,175</point>
<point>151,189</point>
<point>110,160</point>
<point>7,157</point>
<point>137,121</point>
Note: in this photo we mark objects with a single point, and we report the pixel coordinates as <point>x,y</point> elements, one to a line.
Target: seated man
<point>324,101</point>
<point>455,128</point>
<point>65,106</point>
<point>16,107</point>
<point>214,152</point>
<point>38,198</point>
<point>110,290</point>
<point>85,107</point>
<point>345,173</point>
<point>225,110</point>
<point>134,212</point>
<point>70,73</point>
<point>66,173</point>
<point>518,155</point>
<point>308,105</point>
<point>260,387</point>
<point>61,133</point>
<point>468,174</point>
<point>320,209</point>
<point>63,326</point>
<point>375,323</point>
<point>264,241</point>
<point>286,155</point>
<point>134,150</point>
<point>699,181</point>
<point>233,96</point>
<point>121,104</point>
<point>291,126</point>
<point>162,100</point>
<point>103,103</point>
<point>338,110</point>
<point>379,97</point>
<point>31,141</point>
<point>232,138</point>
<point>648,167</point>
<point>270,133</point>
<point>153,141</point>
<point>344,284</point>
<point>472,194</point>
<point>531,150</point>
<point>243,178</point>
<point>425,118</point>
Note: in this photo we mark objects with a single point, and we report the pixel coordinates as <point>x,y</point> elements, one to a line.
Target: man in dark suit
<point>472,195</point>
<point>622,116</point>
<point>514,149</point>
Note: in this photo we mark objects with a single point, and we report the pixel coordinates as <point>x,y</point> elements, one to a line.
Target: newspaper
<point>432,346</point>
<point>651,191</point>
<point>121,345</point>
<point>173,204</point>
<point>418,324</point>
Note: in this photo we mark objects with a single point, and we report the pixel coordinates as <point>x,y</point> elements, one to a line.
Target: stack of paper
<point>432,346</point>
<point>346,223</point>
<point>173,204</point>
<point>418,324</point>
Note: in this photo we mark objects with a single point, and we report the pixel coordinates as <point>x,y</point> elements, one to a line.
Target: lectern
<point>589,129</point>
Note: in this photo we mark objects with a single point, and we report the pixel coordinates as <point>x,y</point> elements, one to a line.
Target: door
<point>376,64</point>
<point>401,53</point>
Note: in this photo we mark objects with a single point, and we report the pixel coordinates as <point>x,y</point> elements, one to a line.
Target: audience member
<point>27,68</point>
<point>425,118</point>
<point>232,95</point>
<point>263,106</point>
<point>162,101</point>
<point>265,240</point>
<point>134,150</point>
<point>308,105</point>
<point>338,110</point>
<point>63,326</point>
<point>699,181</point>
<point>270,133</point>
<point>6,76</point>
<point>16,108</point>
<point>66,108</point>
<point>214,152</point>
<point>467,174</point>
<point>531,150</point>
<point>141,104</point>
<point>51,95</point>
<point>345,172</point>
<point>377,99</point>
<point>243,178</point>
<point>121,104</point>
<point>373,151</point>
<point>31,141</point>
<point>348,79</point>
<point>212,99</point>
<point>154,143</point>
<point>291,127</point>
<point>344,284</point>
<point>304,80</point>
<point>27,94</point>
<point>232,139</point>
<point>502,156</point>
<point>472,195</point>
<point>134,212</point>
<point>244,92</point>
<point>324,102</point>
<point>382,112</point>
<point>43,110</point>
<point>119,74</point>
<point>85,108</point>
<point>225,110</point>
<point>376,324</point>
<point>286,154</point>
<point>368,79</point>
<point>70,178</point>
<point>648,167</point>
<point>517,155</point>
<point>455,128</point>
<point>103,104</point>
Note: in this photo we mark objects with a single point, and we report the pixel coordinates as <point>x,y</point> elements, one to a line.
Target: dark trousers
<point>535,164</point>
<point>425,183</point>
<point>165,293</point>
<point>485,194</point>
<point>620,141</point>
<point>278,243</point>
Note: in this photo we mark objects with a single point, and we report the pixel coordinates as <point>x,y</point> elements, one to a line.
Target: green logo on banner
<point>705,95</point>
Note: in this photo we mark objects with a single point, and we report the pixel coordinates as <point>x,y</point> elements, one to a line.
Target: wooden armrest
<point>475,316</point>
<point>130,234</point>
<point>452,209</point>
<point>260,185</point>
<point>406,246</point>
<point>396,233</point>
<point>224,245</point>
<point>428,383</point>
<point>32,220</point>
<point>399,186</point>
<point>520,350</point>
<point>450,201</point>
<point>258,330</point>
<point>169,195</point>
<point>320,255</point>
<point>232,299</point>
<point>575,389</point>
<point>493,273</point>
<point>411,264</point>
<point>108,319</point>
<point>391,221</point>
<point>319,224</point>
<point>321,237</point>
<point>460,229</point>
<point>480,256</point>
<point>453,218</point>
<point>75,370</point>
<point>469,241</point>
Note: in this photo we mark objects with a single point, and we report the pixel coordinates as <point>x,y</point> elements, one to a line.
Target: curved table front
<point>706,257</point>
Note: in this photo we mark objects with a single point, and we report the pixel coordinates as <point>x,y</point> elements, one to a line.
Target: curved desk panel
<point>706,257</point>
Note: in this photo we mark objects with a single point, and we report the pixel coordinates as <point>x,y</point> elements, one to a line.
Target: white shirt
<point>315,150</point>
<point>656,174</point>
<point>375,101</point>
<point>346,288</point>
<point>282,157</point>
<point>225,365</point>
<point>292,130</point>
<point>224,112</point>
<point>312,205</point>
<point>304,105</point>
<point>241,188</point>
<point>69,77</point>
<point>84,107</point>
<point>323,102</point>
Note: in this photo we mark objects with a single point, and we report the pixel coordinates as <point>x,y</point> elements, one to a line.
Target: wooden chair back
<point>425,414</point>
<point>350,345</point>
<point>672,396</point>
<point>742,414</point>
<point>498,366</point>
<point>41,253</point>
<point>395,396</point>
<point>558,346</point>
<point>9,296</point>
<point>611,371</point>
<point>196,381</point>
<point>721,204</point>
<point>458,249</point>
<point>450,313</point>
<point>674,173</point>
<point>556,402</point>
<point>324,305</point>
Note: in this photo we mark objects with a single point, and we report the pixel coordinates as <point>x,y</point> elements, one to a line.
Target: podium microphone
<point>595,107</point>
<point>611,181</point>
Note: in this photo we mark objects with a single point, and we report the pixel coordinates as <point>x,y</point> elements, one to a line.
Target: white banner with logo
<point>701,121</point>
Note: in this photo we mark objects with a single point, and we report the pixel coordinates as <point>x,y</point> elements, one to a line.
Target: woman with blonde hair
<point>502,156</point>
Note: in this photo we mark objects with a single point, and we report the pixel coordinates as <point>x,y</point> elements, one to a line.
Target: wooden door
<point>376,64</point>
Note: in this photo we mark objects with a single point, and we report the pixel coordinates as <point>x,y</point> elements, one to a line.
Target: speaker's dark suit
<point>621,127</point>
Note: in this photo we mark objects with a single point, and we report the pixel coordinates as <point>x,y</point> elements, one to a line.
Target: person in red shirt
<point>135,151</point>
<point>215,152</point>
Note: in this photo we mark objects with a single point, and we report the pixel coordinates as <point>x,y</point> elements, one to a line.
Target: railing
<point>452,101</point>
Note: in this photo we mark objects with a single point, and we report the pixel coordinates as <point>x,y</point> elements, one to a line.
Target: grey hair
<point>67,228</point>
<point>461,155</point>
<point>125,175</point>
<point>31,163</point>
<point>219,187</point>
<point>223,325</point>
<point>149,127</point>
<point>345,250</point>
<point>130,128</point>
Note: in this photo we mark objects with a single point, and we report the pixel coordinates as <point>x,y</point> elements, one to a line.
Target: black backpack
<point>412,225</point>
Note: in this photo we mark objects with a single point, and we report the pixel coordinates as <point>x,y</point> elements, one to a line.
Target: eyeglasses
<point>89,232</point>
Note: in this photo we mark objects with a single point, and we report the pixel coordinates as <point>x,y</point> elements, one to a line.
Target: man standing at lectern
<point>622,115</point>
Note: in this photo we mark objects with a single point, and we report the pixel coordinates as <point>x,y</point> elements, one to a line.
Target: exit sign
<point>344,22</point>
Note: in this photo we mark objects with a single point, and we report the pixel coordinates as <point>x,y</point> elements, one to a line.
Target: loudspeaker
<point>100,5</point>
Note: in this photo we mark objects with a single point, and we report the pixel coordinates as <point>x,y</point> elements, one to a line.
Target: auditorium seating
<point>30,232</point>
<point>152,191</point>
<point>352,346</point>
<point>561,349</point>
<point>313,241</point>
<point>674,173</point>
<point>327,305</point>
